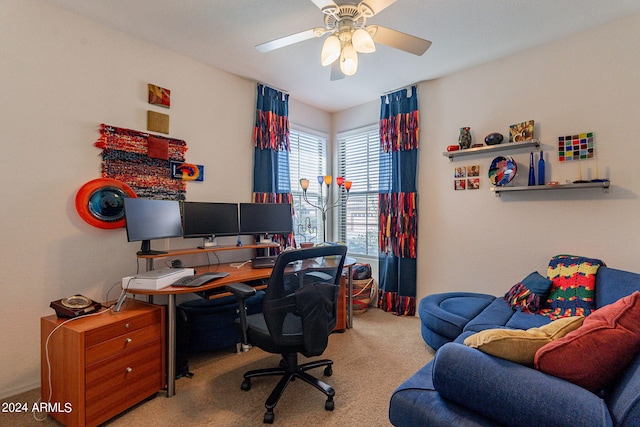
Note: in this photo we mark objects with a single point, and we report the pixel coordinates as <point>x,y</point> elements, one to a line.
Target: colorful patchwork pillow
<point>527,296</point>
<point>573,286</point>
<point>594,354</point>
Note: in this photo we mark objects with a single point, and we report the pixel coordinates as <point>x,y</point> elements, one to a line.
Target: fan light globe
<point>348,60</point>
<point>362,41</point>
<point>330,50</point>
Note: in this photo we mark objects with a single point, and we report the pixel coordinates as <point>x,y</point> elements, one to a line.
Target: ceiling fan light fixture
<point>330,50</point>
<point>348,60</point>
<point>362,41</point>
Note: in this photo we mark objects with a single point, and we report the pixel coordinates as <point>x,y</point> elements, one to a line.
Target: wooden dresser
<point>103,364</point>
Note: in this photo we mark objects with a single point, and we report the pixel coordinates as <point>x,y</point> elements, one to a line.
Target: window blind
<point>308,159</point>
<point>358,157</point>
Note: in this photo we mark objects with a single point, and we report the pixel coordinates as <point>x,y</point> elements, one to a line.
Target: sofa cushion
<point>529,294</point>
<point>495,315</point>
<point>520,346</point>
<point>573,289</point>
<point>512,394</point>
<point>416,403</point>
<point>521,320</point>
<point>599,350</point>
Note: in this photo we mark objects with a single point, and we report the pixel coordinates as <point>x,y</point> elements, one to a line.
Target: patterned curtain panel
<point>271,183</point>
<point>398,201</point>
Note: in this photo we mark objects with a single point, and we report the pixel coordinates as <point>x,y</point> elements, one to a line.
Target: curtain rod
<point>403,87</point>
<point>273,87</point>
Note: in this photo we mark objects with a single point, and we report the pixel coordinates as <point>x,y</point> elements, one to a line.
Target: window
<point>308,159</point>
<point>359,153</point>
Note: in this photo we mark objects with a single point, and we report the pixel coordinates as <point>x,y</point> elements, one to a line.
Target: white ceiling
<point>223,33</point>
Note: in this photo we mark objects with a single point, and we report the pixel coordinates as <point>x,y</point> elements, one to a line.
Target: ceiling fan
<point>350,35</point>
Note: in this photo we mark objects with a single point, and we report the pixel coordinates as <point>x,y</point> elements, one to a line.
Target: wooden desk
<point>245,273</point>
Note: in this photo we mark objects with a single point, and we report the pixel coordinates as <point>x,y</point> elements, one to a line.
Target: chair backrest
<point>303,280</point>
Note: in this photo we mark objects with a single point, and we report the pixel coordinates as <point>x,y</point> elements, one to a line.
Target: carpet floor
<point>370,361</point>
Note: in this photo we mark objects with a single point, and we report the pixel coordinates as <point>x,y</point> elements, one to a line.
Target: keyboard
<point>199,279</point>
<point>263,262</point>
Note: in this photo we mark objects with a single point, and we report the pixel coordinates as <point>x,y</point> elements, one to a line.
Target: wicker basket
<point>364,291</point>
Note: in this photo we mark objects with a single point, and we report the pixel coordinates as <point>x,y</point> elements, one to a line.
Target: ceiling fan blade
<point>377,5</point>
<point>398,40</point>
<point>324,3</point>
<point>336,73</point>
<point>290,39</point>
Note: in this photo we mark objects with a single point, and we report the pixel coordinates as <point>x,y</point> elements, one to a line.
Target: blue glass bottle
<point>541,169</point>
<point>532,174</point>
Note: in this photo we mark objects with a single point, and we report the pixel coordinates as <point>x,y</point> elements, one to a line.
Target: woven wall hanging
<point>142,161</point>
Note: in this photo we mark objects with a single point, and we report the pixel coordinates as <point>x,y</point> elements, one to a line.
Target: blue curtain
<point>398,201</point>
<point>271,183</point>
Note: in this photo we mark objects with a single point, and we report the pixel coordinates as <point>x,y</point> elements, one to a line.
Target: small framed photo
<point>473,183</point>
<point>459,184</point>
<point>473,170</point>
<point>460,172</point>
<point>521,131</point>
<point>159,96</point>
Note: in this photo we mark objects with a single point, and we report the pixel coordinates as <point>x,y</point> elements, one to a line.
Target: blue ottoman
<point>444,316</point>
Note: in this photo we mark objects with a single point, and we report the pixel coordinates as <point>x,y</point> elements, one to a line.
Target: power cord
<point>239,264</point>
<point>46,348</point>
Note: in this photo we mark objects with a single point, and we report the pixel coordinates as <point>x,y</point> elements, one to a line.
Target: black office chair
<point>299,313</point>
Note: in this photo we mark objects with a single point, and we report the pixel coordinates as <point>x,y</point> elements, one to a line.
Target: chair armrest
<point>513,394</point>
<point>241,290</point>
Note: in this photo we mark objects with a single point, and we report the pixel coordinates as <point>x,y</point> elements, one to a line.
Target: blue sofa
<point>463,386</point>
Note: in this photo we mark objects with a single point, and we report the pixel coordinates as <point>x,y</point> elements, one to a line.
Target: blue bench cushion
<point>447,314</point>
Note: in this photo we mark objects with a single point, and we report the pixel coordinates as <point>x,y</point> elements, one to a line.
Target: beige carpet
<point>370,361</point>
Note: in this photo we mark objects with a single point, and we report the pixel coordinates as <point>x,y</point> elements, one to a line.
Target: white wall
<point>475,241</point>
<point>62,76</point>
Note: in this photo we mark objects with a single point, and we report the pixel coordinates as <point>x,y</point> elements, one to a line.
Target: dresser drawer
<point>122,381</point>
<point>119,327</point>
<point>114,373</point>
<point>122,342</point>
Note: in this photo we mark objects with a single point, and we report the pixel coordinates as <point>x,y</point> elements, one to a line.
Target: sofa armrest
<point>513,394</point>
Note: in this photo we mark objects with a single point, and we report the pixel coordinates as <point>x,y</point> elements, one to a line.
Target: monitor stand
<point>265,240</point>
<point>145,249</point>
<point>209,242</point>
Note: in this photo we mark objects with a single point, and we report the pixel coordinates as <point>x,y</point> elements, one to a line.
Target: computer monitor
<point>208,220</point>
<point>265,218</point>
<point>149,219</point>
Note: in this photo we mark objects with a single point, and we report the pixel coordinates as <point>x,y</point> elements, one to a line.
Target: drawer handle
<point>129,370</point>
<point>128,340</point>
<point>126,325</point>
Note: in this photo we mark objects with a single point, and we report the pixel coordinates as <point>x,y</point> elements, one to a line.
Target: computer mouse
<point>176,263</point>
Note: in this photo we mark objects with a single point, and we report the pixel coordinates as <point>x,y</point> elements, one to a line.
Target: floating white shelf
<point>597,184</point>
<point>505,146</point>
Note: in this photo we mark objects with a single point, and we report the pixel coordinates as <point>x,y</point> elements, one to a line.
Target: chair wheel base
<point>268,417</point>
<point>246,385</point>
<point>329,405</point>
